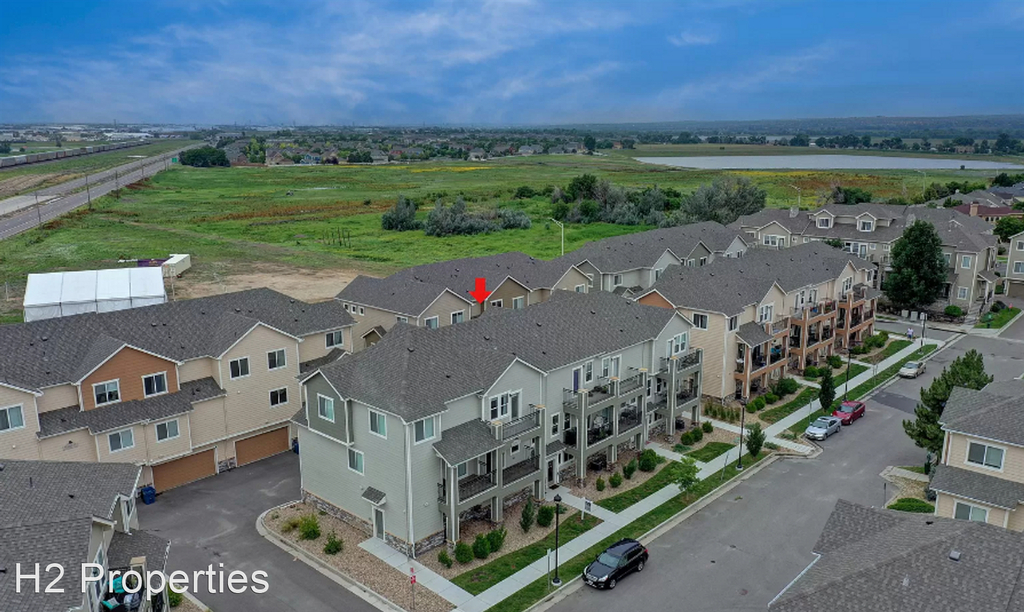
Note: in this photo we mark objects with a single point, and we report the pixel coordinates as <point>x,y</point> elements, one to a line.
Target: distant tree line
<point>204,157</point>
<point>453,220</point>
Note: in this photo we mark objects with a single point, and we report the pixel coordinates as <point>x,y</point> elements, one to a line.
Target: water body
<point>825,162</point>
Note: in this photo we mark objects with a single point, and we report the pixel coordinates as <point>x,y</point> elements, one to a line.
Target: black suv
<point>614,563</point>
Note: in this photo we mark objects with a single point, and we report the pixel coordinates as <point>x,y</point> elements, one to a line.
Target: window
<point>700,321</point>
<point>690,262</point>
<point>766,313</point>
<point>590,279</point>
<point>614,363</point>
<point>121,440</point>
<point>431,322</point>
<point>965,261</point>
<point>518,303</point>
<point>239,367</point>
<point>355,461</point>
<point>276,359</point>
<point>961,293</point>
<point>606,365</point>
<point>703,261</point>
<point>617,280</point>
<point>167,431</point>
<point>985,455</point>
<point>1018,267</point>
<point>496,303</point>
<point>346,307</point>
<point>581,288</point>
<point>677,344</point>
<point>424,429</point>
<point>588,372</point>
<point>734,322</point>
<point>457,317</point>
<point>279,396</point>
<point>847,285</point>
<point>555,420</point>
<point>154,384</point>
<point>107,392</point>
<point>824,222</point>
<point>362,311</point>
<point>378,424</point>
<point>946,257</point>
<point>335,338</point>
<point>325,407</point>
<point>967,512</point>
<point>806,239</point>
<point>866,226</point>
<point>1020,245</point>
<point>462,469</point>
<point>11,418</point>
<point>513,448</point>
<point>401,319</point>
<point>873,246</point>
<point>885,247</point>
<point>773,240</point>
<point>657,273</point>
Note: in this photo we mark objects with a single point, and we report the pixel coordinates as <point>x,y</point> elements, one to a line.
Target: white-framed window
<point>518,302</point>
<point>703,261</point>
<point>430,322</point>
<point>362,310</point>
<point>847,285</point>
<point>866,225</point>
<point>969,512</point>
<point>378,424</point>
<point>1018,267</point>
<point>355,461</point>
<point>458,316</point>
<point>806,239</point>
<point>657,273</point>
<point>325,407</point>
<point>239,368</point>
<point>965,261</point>
<point>462,469</point>
<point>885,247</point>
<point>691,263</point>
<point>276,359</point>
<point>1020,245</point>
<point>154,384</point>
<point>11,417</point>
<point>424,429</point>
<point>580,288</point>
<point>985,455</point>
<point>872,246</point>
<point>495,303</point>
<point>946,257</point>
<point>167,431</point>
<point>824,222</point>
<point>556,420</point>
<point>677,344</point>
<point>606,365</point>
<point>611,368</point>
<point>766,313</point>
<point>588,372</point>
<point>773,240</point>
<point>108,392</point>
<point>334,338</point>
<point>121,440</point>
<point>617,280</point>
<point>279,397</point>
<point>961,293</point>
<point>503,404</point>
<point>590,278</point>
<point>734,322</point>
<point>401,319</point>
<point>346,307</point>
<point>513,448</point>
<point>700,321</point>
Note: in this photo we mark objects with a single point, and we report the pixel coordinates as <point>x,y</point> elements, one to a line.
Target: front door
<point>576,380</point>
<point>551,471</point>
<point>378,523</point>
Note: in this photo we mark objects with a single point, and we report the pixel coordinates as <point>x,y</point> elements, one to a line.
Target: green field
<point>706,149</point>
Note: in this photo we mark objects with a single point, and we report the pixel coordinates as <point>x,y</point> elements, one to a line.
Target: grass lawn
<point>709,451</point>
<point>890,349</point>
<point>773,415</point>
<point>621,501</point>
<point>912,504</point>
<point>917,469</point>
<point>571,568</point>
<point>998,319</point>
<point>484,577</point>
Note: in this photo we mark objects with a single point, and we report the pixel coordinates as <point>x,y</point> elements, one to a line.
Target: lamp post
<point>559,224</point>
<point>849,361</point>
<point>925,179</point>
<point>739,449</point>
<point>799,195</point>
<point>558,511</point>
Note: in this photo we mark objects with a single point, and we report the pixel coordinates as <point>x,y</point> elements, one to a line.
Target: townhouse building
<point>981,474</point>
<point>429,428</point>
<point>184,389</point>
<point>72,514</point>
<point>769,313</point>
<point>870,230</point>
<point>1014,283</point>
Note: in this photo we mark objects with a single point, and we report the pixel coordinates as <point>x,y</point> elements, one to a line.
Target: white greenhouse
<point>60,294</point>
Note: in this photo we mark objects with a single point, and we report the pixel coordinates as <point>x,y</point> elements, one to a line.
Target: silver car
<point>823,427</point>
<point>911,369</point>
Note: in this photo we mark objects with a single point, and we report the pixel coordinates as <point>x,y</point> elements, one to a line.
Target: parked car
<point>911,369</point>
<point>849,411</point>
<point>823,427</point>
<point>614,563</point>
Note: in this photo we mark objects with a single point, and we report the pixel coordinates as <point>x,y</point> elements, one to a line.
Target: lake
<point>825,162</point>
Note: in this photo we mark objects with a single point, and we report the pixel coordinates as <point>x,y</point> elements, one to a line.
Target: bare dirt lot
<point>299,283</point>
<point>17,184</point>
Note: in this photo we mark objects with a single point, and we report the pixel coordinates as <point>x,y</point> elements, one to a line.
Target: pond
<point>825,162</point>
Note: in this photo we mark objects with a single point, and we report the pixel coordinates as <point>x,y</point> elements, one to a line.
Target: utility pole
<point>39,214</point>
<point>88,194</point>
<point>559,224</point>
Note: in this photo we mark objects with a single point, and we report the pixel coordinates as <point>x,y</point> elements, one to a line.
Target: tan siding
<point>55,398</point>
<point>571,278</point>
<point>1016,521</point>
<point>371,318</point>
<point>717,383</point>
<point>945,505</point>
<point>315,345</point>
<point>508,290</point>
<point>207,421</point>
<point>197,368</point>
<point>443,308</point>
<point>159,451</point>
<point>74,446</point>
<point>19,443</point>
<point>1013,459</point>
<point>128,366</point>
<point>136,454</point>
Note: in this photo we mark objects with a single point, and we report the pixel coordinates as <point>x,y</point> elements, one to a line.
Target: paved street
<point>213,521</point>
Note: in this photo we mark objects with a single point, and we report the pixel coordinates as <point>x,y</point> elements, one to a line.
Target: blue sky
<point>506,62</point>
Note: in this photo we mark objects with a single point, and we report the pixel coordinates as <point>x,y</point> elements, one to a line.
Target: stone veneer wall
<point>226,464</point>
<point>342,515</point>
<point>515,498</point>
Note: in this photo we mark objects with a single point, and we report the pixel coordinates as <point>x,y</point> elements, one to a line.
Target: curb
<point>371,597</point>
<point>195,600</point>
<point>938,349</point>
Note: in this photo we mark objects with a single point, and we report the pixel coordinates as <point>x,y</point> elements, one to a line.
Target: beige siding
<point>443,308</point>
<point>371,318</point>
<point>1013,459</point>
<point>135,454</point>
<point>587,268</point>
<point>1016,520</point>
<point>55,398</point>
<point>207,422</point>
<point>774,229</point>
<point>716,342</point>
<point>159,451</point>
<point>73,446</point>
<point>315,345</point>
<point>945,505</point>
<point>198,368</point>
<point>19,443</point>
<point>571,278</point>
<point>505,292</point>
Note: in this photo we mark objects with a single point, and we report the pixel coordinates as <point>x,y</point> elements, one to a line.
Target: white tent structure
<point>60,294</point>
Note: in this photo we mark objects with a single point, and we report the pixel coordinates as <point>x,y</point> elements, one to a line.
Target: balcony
<point>471,486</point>
<point>794,341</point>
<point>813,311</point>
<point>601,392</point>
<point>520,470</point>
<point>569,437</point>
<point>630,384</point>
<point>777,355</point>
<point>570,399</point>
<point>629,419</point>
<point>778,326</point>
<point>659,400</point>
<point>596,434</point>
<point>517,427</point>
<point>690,359</point>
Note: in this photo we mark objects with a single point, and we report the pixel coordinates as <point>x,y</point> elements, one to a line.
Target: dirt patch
<point>299,283</point>
<point>909,487</point>
<point>17,184</point>
<point>187,605</point>
<point>355,562</point>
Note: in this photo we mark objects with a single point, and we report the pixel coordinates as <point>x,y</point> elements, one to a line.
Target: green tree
<point>918,268</point>
<point>966,371</point>
<point>5,147</point>
<point>204,157</point>
<point>725,200</point>
<point>1008,226</point>
<point>827,389</point>
<point>755,439</point>
<point>835,243</point>
<point>581,188</point>
<point>589,142</point>
<point>686,475</point>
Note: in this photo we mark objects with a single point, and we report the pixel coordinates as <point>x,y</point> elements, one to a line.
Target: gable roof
<point>644,249</point>
<point>400,295</point>
<point>984,488</point>
<point>460,275</point>
<point>995,412</point>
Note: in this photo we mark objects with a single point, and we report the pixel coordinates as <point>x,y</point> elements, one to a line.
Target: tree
<point>835,243</point>
<point>725,200</point>
<point>581,187</point>
<point>1007,180</point>
<point>850,195</point>
<point>401,217</point>
<point>1007,227</point>
<point>589,142</point>
<point>966,371</point>
<point>5,147</point>
<point>800,140</point>
<point>755,439</point>
<point>204,157</point>
<point>918,268</point>
<point>827,389</point>
<point>528,515</point>
<point>686,475</point>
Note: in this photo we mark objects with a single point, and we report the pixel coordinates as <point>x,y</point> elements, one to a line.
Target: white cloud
<point>688,38</point>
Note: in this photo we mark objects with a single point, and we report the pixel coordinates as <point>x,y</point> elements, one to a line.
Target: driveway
<point>213,521</point>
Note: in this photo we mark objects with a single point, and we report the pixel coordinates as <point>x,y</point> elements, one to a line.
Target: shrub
<point>528,515</point>
<point>686,439</point>
<point>771,446</point>
<point>954,311</point>
<point>463,553</point>
<point>771,398</point>
<point>835,362</point>
<point>999,289</point>
<point>481,546</point>
<point>401,217</point>
<point>524,192</point>
<point>309,527</point>
<point>788,386</point>
<point>615,480</point>
<point>629,469</point>
<point>997,306</point>
<point>811,372</point>
<point>599,484</point>
<point>204,157</point>
<point>697,433</point>
<point>755,439</point>
<point>758,403</point>
<point>496,538</point>
<point>174,599</point>
<point>290,525</point>
<point>444,559</point>
<point>334,544</point>
<point>884,334</point>
<point>751,407</point>
<point>707,427</point>
<point>545,514</point>
<point>912,504</point>
<point>648,460</point>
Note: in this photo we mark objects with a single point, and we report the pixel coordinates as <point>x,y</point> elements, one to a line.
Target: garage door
<point>185,470</point>
<point>261,446</point>
<point>1015,291</point>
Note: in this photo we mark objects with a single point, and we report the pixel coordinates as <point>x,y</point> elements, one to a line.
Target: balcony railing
<point>778,355</point>
<point>517,427</point>
<point>570,399</point>
<point>810,311</point>
<point>520,470</point>
<point>794,341</point>
<point>471,486</point>
<point>827,333</point>
<point>596,434</point>
<point>779,325</point>
<point>630,384</point>
<point>690,359</point>
<point>628,420</point>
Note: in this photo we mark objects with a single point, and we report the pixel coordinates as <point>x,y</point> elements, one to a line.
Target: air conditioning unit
<point>632,444</point>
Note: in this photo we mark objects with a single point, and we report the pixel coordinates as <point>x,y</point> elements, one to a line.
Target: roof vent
<point>906,580</point>
<point>954,555</point>
<point>45,338</point>
<point>1,467</point>
<point>411,349</point>
<point>929,522</point>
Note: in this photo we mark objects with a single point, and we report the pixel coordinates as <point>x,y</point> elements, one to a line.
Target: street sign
<point>174,160</point>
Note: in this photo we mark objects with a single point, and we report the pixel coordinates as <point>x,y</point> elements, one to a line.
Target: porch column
<point>670,396</point>
<point>453,496</point>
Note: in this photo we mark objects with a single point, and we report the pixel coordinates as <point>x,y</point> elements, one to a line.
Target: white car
<point>823,427</point>
<point>911,369</point>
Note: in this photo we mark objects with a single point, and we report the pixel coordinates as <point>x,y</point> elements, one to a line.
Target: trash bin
<point>295,446</point>
<point>148,495</point>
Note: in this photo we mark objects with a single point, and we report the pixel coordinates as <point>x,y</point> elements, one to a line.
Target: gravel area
<point>355,562</point>
<point>186,605</point>
<point>589,488</point>
<point>909,487</point>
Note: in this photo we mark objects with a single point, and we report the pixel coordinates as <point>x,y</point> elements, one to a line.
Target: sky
<point>511,62</point>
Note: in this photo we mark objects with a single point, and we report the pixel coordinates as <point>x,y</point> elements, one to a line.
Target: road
<point>69,198</point>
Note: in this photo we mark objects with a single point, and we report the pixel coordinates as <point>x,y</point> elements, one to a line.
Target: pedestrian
<point>910,333</point>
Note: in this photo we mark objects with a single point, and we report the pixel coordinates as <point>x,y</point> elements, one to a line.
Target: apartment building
<point>870,230</point>
<point>1014,287</point>
<point>185,389</point>
<point>72,514</point>
<point>769,313</point>
<point>981,476</point>
<point>429,428</point>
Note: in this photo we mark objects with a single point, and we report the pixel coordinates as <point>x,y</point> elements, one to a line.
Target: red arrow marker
<point>481,292</point>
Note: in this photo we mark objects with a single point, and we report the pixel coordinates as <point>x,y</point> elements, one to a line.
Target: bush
<point>528,515</point>
<point>758,403</point>
<point>481,546</point>
<point>496,538</point>
<point>771,398</point>
<point>648,460</point>
<point>686,439</point>
<point>401,217</point>
<point>811,372</point>
<point>545,514</point>
<point>912,504</point>
<point>787,386</point>
<point>755,439</point>
<point>697,433</point>
<point>629,469</point>
<point>835,362</point>
<point>174,599</point>
<point>309,527</point>
<point>953,311</point>
<point>615,480</point>
<point>999,289</point>
<point>884,334</point>
<point>599,484</point>
<point>334,544</point>
<point>463,553</point>
<point>444,559</point>
<point>524,192</point>
<point>290,525</point>
<point>707,427</point>
<point>204,157</point>
<point>997,306</point>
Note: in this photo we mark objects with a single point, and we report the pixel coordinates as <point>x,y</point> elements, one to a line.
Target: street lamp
<point>558,510</point>
<point>739,449</point>
<point>799,195</point>
<point>559,224</point>
<point>849,361</point>
<point>925,179</point>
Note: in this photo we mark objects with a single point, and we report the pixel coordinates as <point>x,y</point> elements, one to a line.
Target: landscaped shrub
<point>697,433</point>
<point>463,553</point>
<point>527,516</point>
<point>444,559</point>
<point>884,334</point>
<point>771,398</point>
<point>787,386</point>
<point>997,306</point>
<point>648,460</point>
<point>334,544</point>
<point>629,469</point>
<point>912,504</point>
<point>835,362</point>
<point>290,525</point>
<point>860,349</point>
<point>545,514</point>
<point>758,403</point>
<point>174,599</point>
<point>999,289</point>
<point>496,538</point>
<point>309,527</point>
<point>599,484</point>
<point>481,546</point>
<point>615,480</point>
<point>401,217</point>
<point>751,407</point>
<point>811,372</point>
<point>707,427</point>
<point>953,311</point>
<point>686,439</point>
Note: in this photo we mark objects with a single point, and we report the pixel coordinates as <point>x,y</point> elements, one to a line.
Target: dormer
<point>824,220</point>
<point>866,222</point>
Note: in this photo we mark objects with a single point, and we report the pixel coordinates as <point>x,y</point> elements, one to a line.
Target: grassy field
<point>715,150</point>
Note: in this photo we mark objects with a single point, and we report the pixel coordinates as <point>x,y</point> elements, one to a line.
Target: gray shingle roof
<point>460,275</point>
<point>374,496</point>
<point>980,487</point>
<point>405,296</point>
<point>63,542</point>
<point>463,442</point>
<point>313,364</point>
<point>643,249</point>
<point>886,561</point>
<point>990,413</point>
<point>47,491</point>
<point>124,547</point>
<point>753,334</point>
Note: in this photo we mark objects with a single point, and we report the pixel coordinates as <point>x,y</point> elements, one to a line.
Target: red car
<point>849,411</point>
